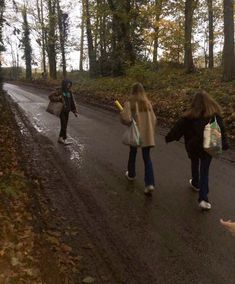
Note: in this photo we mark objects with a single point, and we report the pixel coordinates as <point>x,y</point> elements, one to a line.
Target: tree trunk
<point>123,51</point>
<point>27,45</point>
<point>211,33</point>
<point>158,7</point>
<point>62,33</point>
<point>104,68</point>
<point>117,48</point>
<point>17,64</point>
<point>82,39</point>
<point>52,39</point>
<point>228,54</point>
<point>125,25</point>
<point>91,50</point>
<point>43,42</point>
<point>42,35</point>
<point>2,8</point>
<point>190,6</point>
<point>96,29</point>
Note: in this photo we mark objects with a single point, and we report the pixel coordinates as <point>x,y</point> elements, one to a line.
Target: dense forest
<point>113,35</point>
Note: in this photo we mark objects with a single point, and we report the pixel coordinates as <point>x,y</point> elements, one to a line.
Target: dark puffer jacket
<point>192,130</point>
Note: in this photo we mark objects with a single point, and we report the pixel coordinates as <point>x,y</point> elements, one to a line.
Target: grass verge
<point>169,89</point>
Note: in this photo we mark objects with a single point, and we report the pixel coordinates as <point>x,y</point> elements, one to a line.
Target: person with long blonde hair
<point>204,109</point>
<point>139,108</point>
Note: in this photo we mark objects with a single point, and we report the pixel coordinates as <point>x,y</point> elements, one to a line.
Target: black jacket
<point>192,130</point>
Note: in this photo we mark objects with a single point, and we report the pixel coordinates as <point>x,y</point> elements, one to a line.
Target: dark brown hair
<point>64,85</point>
<point>203,106</point>
<point>139,96</point>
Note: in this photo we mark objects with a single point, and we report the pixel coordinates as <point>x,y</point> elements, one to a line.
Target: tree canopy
<point>109,36</point>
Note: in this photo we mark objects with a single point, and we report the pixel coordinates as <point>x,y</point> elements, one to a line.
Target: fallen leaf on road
<point>14,261</point>
<point>53,240</point>
<point>88,246</point>
<point>66,248</point>
<point>54,233</point>
<point>88,280</point>
<point>74,234</point>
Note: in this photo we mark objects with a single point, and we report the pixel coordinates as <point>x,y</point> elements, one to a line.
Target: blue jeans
<point>149,176</point>
<point>200,175</point>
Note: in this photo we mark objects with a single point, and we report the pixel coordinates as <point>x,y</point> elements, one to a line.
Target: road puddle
<point>75,151</point>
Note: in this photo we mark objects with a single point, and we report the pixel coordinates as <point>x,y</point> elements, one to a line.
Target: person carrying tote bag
<point>138,112</point>
<point>193,126</point>
<point>61,103</point>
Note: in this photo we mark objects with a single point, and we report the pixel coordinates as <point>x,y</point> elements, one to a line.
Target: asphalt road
<point>165,237</point>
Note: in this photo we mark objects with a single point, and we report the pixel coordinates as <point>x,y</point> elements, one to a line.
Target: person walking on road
<point>64,95</point>
<point>203,110</point>
<point>139,108</point>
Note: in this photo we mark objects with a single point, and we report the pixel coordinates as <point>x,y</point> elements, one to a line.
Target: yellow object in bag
<point>119,106</point>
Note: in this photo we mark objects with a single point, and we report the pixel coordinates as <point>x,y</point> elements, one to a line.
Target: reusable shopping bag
<point>55,108</point>
<point>212,138</point>
<point>131,136</point>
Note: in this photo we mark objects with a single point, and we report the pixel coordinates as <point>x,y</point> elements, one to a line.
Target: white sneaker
<point>61,140</point>
<point>129,178</point>
<point>193,187</point>
<point>66,142</point>
<point>205,205</point>
<point>149,189</point>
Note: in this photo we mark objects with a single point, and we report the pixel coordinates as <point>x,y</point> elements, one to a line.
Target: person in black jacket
<point>203,110</point>
<point>64,95</point>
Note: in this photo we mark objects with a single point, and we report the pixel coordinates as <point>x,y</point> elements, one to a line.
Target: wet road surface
<point>164,239</point>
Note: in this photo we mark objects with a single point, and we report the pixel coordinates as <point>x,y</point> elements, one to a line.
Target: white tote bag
<point>131,136</point>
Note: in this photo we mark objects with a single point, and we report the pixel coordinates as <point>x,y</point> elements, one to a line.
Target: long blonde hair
<point>139,96</point>
<point>203,106</point>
